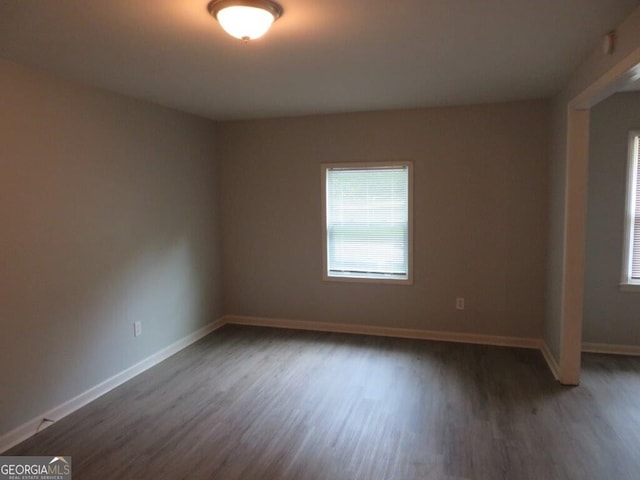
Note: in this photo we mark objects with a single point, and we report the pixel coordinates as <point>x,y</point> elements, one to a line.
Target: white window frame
<point>627,283</point>
<point>366,279</point>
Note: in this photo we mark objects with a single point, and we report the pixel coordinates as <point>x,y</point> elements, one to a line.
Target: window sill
<point>630,287</point>
<point>387,281</point>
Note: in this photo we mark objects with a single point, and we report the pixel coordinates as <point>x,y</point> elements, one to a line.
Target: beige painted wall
<point>589,72</point>
<point>610,315</point>
<point>480,217</point>
<point>107,215</point>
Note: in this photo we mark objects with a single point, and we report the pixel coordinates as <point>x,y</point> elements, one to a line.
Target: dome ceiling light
<point>245,19</point>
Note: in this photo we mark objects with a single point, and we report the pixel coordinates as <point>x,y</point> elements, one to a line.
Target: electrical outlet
<point>137,329</point>
<point>460,303</point>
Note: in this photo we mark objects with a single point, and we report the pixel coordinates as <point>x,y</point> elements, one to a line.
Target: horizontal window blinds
<point>635,239</point>
<point>367,214</point>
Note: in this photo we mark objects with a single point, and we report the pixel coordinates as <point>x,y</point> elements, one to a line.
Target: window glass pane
<point>367,222</point>
<point>635,226</point>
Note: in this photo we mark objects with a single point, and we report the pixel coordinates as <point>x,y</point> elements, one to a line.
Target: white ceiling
<point>322,56</point>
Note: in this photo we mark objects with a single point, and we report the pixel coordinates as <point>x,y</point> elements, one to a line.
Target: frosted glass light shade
<point>245,19</point>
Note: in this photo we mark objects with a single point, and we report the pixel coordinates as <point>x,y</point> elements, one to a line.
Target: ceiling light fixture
<point>245,19</point>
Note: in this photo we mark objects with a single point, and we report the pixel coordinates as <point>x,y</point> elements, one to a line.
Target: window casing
<point>367,221</point>
<point>631,252</point>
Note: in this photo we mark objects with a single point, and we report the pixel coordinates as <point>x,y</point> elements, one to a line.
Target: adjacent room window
<point>631,254</point>
<point>367,221</point>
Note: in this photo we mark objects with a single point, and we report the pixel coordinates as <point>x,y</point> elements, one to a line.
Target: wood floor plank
<point>256,403</point>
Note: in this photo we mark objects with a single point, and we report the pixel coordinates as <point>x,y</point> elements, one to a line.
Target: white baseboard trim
<point>30,428</point>
<point>476,338</point>
<point>550,359</point>
<point>612,349</point>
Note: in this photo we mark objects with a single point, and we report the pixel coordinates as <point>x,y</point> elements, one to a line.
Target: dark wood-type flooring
<point>255,403</point>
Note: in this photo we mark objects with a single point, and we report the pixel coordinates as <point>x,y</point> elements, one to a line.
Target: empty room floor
<point>258,403</point>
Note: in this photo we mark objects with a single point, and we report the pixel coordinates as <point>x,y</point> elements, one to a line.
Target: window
<point>367,221</point>
<point>631,254</point>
